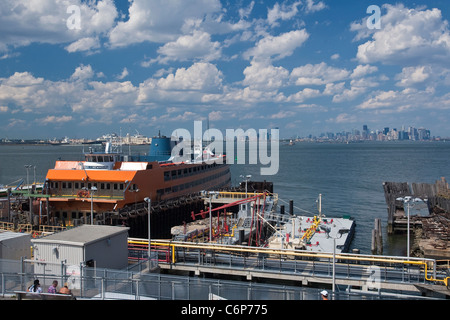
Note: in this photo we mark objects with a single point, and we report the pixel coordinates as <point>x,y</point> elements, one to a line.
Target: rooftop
<point>83,234</point>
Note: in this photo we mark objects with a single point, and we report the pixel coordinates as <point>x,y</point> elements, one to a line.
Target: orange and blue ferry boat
<point>108,181</point>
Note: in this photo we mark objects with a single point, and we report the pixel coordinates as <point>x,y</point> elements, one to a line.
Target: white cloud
<point>22,79</point>
<point>185,85</point>
<point>84,44</point>
<point>413,75</point>
<point>349,94</point>
<point>124,74</point>
<point>406,36</point>
<point>333,88</point>
<point>407,99</point>
<point>196,46</point>
<point>200,76</point>
<point>343,118</point>
<point>54,120</point>
<point>335,56</point>
<point>303,95</point>
<point>311,6</point>
<point>264,75</point>
<point>159,20</point>
<point>284,12</point>
<point>45,21</point>
<point>282,114</point>
<point>82,73</point>
<point>277,47</point>
<point>318,74</point>
<point>245,12</point>
<point>362,70</point>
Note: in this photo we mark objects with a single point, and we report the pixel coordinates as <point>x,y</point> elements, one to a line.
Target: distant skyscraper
<point>365,132</point>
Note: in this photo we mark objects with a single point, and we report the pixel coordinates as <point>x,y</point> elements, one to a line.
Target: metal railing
<point>107,284</point>
<point>348,266</point>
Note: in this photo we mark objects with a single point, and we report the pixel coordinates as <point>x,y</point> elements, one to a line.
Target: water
<point>349,176</point>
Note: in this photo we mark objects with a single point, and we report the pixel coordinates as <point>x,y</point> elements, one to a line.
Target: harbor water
<point>349,176</point>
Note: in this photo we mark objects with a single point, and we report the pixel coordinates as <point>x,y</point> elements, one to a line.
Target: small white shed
<point>94,245</point>
<point>14,245</point>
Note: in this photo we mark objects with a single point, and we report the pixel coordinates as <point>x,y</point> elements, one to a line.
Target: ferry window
<point>82,185</point>
<point>166,175</point>
<point>76,185</point>
<point>63,185</point>
<point>89,186</point>
<point>121,186</point>
<point>108,186</point>
<point>115,186</point>
<point>102,186</point>
<point>69,185</point>
<point>174,173</point>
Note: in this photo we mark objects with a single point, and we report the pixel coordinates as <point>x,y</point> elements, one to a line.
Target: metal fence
<point>96,283</point>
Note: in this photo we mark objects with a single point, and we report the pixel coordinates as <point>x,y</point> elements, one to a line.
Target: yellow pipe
<point>173,245</point>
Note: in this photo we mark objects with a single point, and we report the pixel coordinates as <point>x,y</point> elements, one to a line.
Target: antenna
<point>320,205</point>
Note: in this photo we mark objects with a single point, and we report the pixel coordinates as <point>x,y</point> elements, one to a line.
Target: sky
<point>86,68</point>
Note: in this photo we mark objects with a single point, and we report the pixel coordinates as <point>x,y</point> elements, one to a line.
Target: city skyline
<point>365,134</point>
<point>384,134</point>
<point>82,68</point>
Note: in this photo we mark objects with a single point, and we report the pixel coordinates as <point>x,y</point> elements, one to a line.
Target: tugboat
<point>109,180</point>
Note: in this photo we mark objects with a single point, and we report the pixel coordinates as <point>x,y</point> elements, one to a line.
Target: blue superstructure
<point>160,149</point>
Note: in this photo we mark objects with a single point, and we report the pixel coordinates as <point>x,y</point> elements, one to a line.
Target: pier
<point>301,268</point>
<point>430,225</point>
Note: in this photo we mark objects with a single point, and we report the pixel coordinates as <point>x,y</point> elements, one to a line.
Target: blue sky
<point>85,68</point>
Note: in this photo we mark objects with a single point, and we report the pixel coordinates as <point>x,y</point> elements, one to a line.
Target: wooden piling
<point>377,239</point>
